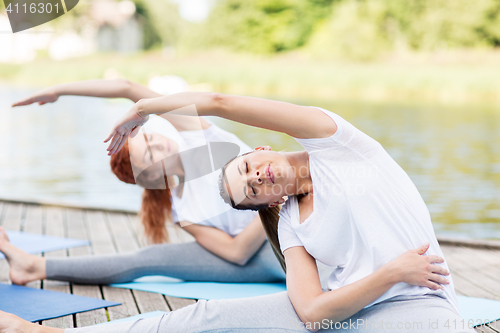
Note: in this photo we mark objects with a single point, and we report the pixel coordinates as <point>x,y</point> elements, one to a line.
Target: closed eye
<point>253,189</point>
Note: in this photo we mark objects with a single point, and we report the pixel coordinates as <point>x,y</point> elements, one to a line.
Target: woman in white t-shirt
<point>364,225</point>
<point>230,245</point>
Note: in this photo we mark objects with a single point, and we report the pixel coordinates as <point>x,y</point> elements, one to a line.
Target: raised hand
<point>416,269</point>
<point>41,97</point>
<point>128,124</point>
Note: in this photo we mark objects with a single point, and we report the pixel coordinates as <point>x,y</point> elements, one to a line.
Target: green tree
<point>261,26</point>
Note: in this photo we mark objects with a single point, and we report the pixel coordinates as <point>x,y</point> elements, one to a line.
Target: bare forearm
<point>249,241</point>
<point>118,88</point>
<point>185,103</point>
<point>342,303</point>
<point>302,122</point>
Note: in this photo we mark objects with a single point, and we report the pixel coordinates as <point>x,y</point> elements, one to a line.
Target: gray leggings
<point>186,261</point>
<point>275,313</point>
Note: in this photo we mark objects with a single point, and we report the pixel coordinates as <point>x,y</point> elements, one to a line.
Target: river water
<point>55,152</point>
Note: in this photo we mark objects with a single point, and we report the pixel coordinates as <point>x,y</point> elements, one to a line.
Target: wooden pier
<point>474,265</point>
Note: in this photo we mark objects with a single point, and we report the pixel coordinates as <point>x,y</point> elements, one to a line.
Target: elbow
<point>239,258</point>
<point>125,86</point>
<point>311,323</point>
<point>217,103</point>
<point>308,316</point>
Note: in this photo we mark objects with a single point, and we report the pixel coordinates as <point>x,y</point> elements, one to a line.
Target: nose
<point>256,178</point>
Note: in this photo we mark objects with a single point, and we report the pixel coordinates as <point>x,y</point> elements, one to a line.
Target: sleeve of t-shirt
<point>346,135</point>
<point>286,235</point>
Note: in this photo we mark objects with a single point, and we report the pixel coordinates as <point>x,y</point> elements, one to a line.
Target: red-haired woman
<point>230,245</point>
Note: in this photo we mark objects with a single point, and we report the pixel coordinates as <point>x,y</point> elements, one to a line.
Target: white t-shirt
<point>366,211</point>
<point>201,202</point>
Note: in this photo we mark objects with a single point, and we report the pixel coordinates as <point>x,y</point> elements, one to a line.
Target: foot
<point>10,323</point>
<point>24,267</point>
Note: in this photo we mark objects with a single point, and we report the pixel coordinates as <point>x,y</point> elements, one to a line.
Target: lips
<point>270,174</point>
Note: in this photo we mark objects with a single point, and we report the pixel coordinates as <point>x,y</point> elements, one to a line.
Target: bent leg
<point>408,314</point>
<point>270,313</point>
<point>186,261</point>
<point>275,314</point>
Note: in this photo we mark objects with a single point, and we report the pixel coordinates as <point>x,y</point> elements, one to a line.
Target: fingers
<point>423,248</point>
<point>119,145</point>
<point>439,279</point>
<point>433,259</point>
<point>439,270</point>
<point>433,286</point>
<point>23,102</point>
<point>110,136</point>
<point>116,138</point>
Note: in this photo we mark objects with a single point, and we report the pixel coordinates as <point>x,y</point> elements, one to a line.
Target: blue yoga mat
<point>37,304</point>
<point>201,290</point>
<point>140,316</point>
<point>478,311</point>
<point>33,243</point>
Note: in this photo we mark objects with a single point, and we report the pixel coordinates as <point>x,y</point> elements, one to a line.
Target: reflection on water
<point>56,152</point>
<point>452,154</point>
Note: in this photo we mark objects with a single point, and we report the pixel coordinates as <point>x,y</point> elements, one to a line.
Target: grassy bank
<point>448,79</point>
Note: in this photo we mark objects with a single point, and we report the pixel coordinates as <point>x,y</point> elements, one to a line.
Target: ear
<point>263,148</point>
<point>276,203</point>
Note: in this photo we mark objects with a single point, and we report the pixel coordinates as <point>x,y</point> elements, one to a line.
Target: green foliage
<point>365,29</point>
<point>162,22</point>
<point>356,30</point>
<point>152,38</point>
<point>352,29</point>
<point>262,26</point>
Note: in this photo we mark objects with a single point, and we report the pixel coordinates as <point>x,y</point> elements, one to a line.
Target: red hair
<point>156,205</point>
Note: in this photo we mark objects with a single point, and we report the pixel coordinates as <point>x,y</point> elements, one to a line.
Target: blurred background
<point>422,77</point>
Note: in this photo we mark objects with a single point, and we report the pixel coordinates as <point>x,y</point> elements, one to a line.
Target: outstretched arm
<point>312,305</point>
<point>117,88</point>
<point>297,121</point>
<point>238,249</point>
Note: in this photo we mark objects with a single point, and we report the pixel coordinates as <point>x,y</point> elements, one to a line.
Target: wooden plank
<point>32,223</point>
<point>482,262</point>
<point>62,204</point>
<point>136,226</point>
<point>12,216</point>
<point>54,226</point>
<point>471,243</point>
<point>148,302</point>
<point>102,243</point>
<point>76,228</point>
<point>464,265</point>
<point>125,240</point>
<point>495,325</point>
<point>178,303</point>
<point>2,211</point>
<point>489,257</point>
<point>123,237</point>
<point>484,329</point>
